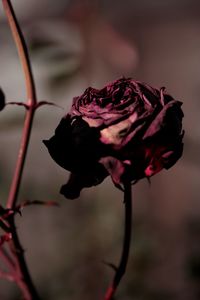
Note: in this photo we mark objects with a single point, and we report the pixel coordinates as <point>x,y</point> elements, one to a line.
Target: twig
<point>126,244</point>
<point>23,279</point>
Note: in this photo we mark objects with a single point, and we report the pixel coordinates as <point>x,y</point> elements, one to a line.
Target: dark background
<point>75,44</point>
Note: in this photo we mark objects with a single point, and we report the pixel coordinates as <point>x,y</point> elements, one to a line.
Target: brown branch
<point>23,278</point>
<point>126,244</point>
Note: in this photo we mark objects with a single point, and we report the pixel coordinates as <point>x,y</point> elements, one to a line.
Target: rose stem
<point>31,101</point>
<point>126,244</point>
<point>24,279</point>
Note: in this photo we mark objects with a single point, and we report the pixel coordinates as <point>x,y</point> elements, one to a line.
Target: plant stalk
<point>126,243</point>
<point>23,278</point>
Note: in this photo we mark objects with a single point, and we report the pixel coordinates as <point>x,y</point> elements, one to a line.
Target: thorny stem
<point>126,244</point>
<point>22,50</point>
<point>31,101</point>
<point>23,277</point>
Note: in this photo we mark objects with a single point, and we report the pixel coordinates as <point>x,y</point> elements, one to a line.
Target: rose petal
<point>168,120</point>
<point>71,190</point>
<point>115,168</point>
<point>2,100</point>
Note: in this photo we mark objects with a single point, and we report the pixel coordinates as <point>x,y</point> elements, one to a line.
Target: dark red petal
<point>174,153</point>
<point>71,190</point>
<point>168,121</point>
<point>2,100</point>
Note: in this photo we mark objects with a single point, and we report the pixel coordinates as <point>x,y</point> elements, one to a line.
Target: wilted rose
<point>2,100</point>
<point>128,130</point>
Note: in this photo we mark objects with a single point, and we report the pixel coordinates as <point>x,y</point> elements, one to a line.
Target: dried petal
<point>2,100</point>
<point>128,130</point>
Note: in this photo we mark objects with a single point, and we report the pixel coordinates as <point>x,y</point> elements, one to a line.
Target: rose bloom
<point>128,130</point>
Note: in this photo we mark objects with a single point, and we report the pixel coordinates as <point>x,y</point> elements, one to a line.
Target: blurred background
<point>73,45</point>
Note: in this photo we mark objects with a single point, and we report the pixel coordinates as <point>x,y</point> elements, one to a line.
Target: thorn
<point>42,103</point>
<point>18,103</point>
<point>111,265</point>
<point>35,202</point>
